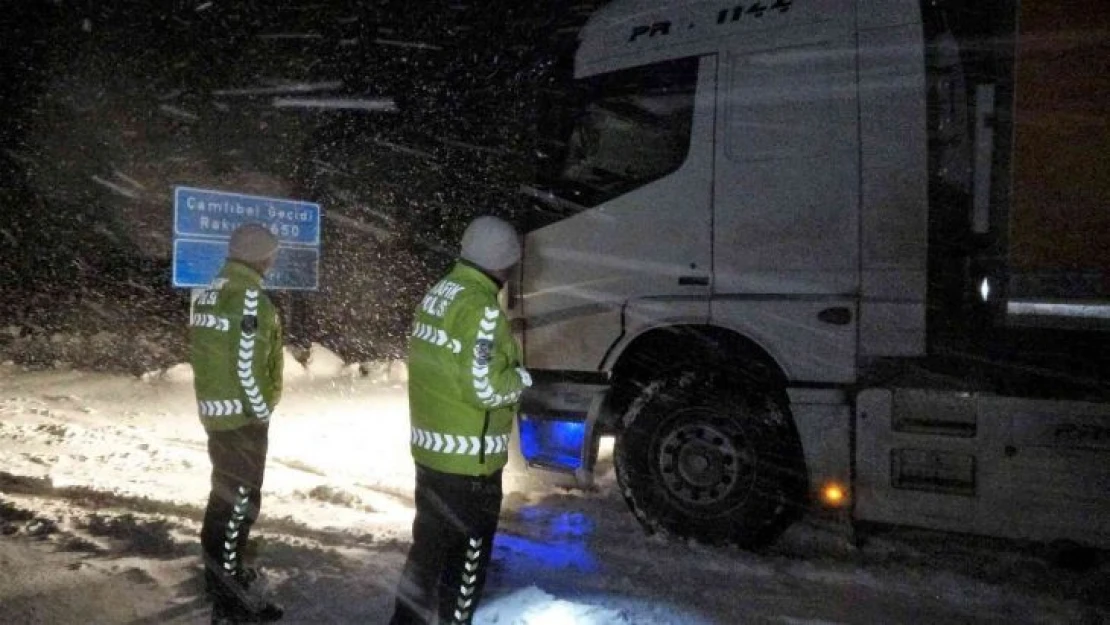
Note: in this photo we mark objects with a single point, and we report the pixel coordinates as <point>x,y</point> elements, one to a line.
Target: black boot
<point>235,602</point>
<point>226,613</point>
<point>214,581</point>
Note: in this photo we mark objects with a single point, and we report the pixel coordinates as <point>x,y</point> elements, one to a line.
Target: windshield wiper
<point>550,200</point>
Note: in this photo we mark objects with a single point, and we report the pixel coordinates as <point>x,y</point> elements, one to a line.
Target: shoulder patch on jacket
<point>483,351</point>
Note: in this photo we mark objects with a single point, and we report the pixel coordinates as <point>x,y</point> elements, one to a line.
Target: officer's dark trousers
<point>238,465</point>
<point>452,539</point>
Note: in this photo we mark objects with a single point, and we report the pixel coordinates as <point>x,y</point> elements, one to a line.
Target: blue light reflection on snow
<point>545,555</point>
<point>550,577</point>
<point>561,541</point>
<point>559,524</point>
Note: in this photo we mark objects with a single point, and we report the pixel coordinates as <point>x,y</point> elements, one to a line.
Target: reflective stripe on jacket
<point>465,379</point>
<point>235,345</point>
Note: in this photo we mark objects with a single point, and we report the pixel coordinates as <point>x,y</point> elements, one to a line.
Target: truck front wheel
<point>707,457</point>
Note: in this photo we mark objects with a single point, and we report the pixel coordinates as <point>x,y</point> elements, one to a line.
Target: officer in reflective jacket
<point>235,343</point>
<point>465,382</point>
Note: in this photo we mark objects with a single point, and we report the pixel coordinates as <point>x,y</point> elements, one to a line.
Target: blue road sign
<point>201,213</point>
<point>205,219</point>
<point>197,261</point>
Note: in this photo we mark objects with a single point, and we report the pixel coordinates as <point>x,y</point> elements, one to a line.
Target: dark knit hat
<point>252,243</point>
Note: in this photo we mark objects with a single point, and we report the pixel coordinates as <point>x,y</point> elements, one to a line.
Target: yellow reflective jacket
<point>235,345</point>
<point>465,378</point>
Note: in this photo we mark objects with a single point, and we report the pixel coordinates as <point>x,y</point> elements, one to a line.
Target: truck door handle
<point>837,315</point>
<point>693,280</point>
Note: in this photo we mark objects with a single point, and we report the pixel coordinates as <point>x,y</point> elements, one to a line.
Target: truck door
<point>786,202</point>
<point>625,215</point>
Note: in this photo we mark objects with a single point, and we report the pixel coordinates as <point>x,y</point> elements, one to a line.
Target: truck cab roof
<point>629,33</point>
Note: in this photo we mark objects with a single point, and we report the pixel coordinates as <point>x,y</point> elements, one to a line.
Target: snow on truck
<point>829,254</point>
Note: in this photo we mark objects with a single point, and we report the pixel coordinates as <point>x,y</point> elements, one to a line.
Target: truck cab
<point>773,254</point>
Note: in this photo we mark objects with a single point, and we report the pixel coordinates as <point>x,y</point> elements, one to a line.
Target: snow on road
<point>103,479</point>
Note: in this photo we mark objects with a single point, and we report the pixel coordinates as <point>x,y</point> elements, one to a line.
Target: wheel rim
<point>703,461</point>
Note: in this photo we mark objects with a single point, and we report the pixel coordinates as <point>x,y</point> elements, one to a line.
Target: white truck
<point>828,254</point>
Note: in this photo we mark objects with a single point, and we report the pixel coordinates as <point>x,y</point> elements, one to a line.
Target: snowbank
<point>319,364</point>
<point>103,350</point>
<point>179,374</point>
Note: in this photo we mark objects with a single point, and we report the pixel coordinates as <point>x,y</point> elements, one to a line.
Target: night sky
<point>109,105</point>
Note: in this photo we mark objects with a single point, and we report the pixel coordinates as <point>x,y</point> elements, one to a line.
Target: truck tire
<point>710,458</point>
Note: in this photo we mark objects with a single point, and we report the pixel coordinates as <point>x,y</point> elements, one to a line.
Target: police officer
<point>465,382</point>
<point>236,353</point>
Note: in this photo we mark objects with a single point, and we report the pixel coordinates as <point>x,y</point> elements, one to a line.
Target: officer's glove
<point>525,377</point>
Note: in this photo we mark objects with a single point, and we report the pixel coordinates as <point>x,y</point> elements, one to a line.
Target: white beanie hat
<point>252,243</point>
<point>491,244</point>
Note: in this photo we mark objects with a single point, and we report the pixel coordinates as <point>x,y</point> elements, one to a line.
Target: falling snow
<point>403,120</point>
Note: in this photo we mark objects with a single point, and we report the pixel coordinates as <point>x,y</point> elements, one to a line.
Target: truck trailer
<point>844,255</point>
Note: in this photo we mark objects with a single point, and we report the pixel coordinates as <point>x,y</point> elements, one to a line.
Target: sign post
<point>203,223</point>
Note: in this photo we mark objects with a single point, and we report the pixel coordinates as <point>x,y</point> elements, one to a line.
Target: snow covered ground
<point>103,479</point>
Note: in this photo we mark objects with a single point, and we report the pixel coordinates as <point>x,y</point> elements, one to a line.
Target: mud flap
<point>558,434</point>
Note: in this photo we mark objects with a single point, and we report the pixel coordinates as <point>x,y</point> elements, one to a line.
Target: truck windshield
<point>625,129</point>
